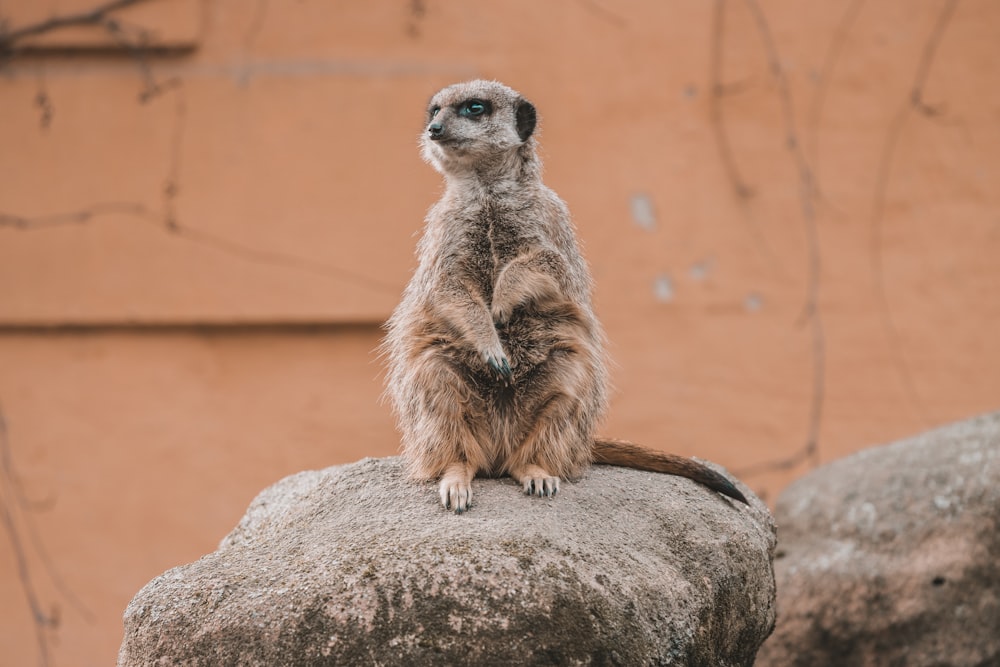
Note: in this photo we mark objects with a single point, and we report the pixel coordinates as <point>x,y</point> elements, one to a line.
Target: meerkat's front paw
<point>456,493</point>
<point>498,363</point>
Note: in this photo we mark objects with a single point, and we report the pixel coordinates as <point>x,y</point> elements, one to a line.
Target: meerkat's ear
<point>525,119</point>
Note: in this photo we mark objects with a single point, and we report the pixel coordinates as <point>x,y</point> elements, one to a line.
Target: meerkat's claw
<point>455,495</point>
<point>547,486</point>
<point>500,366</point>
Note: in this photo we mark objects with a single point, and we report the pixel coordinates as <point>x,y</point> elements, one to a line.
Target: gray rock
<point>355,565</point>
<point>892,556</point>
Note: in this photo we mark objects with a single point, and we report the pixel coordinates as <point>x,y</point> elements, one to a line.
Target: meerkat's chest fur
<point>485,237</point>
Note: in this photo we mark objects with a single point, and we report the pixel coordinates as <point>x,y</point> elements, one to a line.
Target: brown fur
<point>496,360</point>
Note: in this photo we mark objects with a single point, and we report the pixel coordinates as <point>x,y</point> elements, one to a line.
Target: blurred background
<point>208,208</point>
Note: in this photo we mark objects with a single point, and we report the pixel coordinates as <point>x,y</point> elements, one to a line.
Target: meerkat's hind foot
<point>455,488</point>
<point>547,487</point>
<point>536,481</point>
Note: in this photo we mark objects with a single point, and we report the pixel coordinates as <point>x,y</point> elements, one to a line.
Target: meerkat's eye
<point>473,108</point>
<point>434,111</point>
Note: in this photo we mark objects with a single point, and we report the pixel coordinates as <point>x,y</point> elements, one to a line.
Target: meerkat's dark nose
<point>435,130</point>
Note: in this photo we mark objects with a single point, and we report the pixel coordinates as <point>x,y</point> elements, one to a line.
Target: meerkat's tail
<point>628,455</point>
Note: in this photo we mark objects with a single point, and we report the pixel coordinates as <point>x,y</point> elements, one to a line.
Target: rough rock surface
<point>355,565</point>
<point>892,556</point>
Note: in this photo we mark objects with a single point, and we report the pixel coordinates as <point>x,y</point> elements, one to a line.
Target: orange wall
<point>193,285</point>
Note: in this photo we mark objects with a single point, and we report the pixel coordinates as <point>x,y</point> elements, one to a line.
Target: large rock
<point>892,556</point>
<point>356,565</point>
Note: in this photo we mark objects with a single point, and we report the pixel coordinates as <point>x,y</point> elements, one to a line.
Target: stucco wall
<point>791,212</point>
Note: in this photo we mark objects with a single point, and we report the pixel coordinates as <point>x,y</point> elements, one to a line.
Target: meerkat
<point>496,362</point>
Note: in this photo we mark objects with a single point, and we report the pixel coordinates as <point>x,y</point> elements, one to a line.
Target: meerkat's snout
<point>435,131</point>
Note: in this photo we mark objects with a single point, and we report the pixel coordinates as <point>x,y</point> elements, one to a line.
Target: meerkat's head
<point>477,124</point>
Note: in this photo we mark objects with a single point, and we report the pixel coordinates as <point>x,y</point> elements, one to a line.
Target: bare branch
<point>826,73</point>
<point>12,503</point>
<point>811,311</point>
<point>913,103</point>
<point>97,16</point>
<point>167,219</point>
<point>169,224</point>
<point>717,90</point>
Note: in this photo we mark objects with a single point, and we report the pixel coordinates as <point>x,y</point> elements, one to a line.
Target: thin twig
<point>96,16</point>
<point>174,228</point>
<point>833,52</point>
<point>9,500</point>
<point>167,219</point>
<point>811,311</point>
<point>913,103</point>
<point>43,102</point>
<point>718,91</point>
<point>10,480</point>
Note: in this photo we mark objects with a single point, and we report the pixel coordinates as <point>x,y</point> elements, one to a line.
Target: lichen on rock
<point>357,565</point>
<point>890,556</point>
